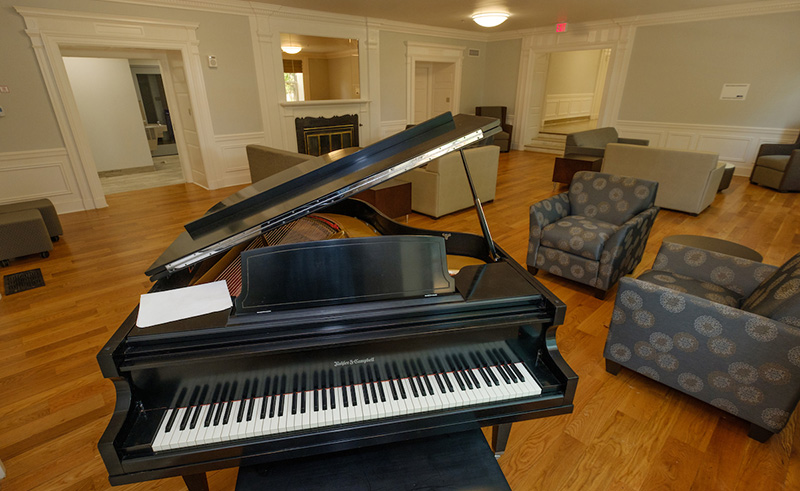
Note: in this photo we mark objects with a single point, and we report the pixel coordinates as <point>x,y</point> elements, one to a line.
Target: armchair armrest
<point>543,214</point>
<point>791,175</point>
<point>776,149</point>
<point>623,250</point>
<point>736,274</point>
<point>579,150</point>
<point>634,141</point>
<point>743,363</point>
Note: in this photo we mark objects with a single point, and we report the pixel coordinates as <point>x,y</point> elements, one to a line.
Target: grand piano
<point>347,329</point>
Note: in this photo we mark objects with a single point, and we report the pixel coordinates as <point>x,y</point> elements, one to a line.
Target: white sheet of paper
<point>183,303</point>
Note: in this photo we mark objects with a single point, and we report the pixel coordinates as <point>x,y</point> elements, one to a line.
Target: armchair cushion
<point>685,284</point>
<point>610,198</point>
<point>775,162</point>
<point>578,235</point>
<point>778,297</point>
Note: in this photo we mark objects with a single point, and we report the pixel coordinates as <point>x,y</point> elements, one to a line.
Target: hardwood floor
<point>626,433</point>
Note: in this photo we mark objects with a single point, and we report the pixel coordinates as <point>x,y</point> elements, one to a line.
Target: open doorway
<point>574,90</point>
<point>123,107</point>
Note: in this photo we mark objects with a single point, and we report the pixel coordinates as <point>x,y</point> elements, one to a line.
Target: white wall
<point>107,103</point>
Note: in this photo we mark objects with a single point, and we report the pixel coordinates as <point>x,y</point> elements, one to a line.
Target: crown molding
<point>61,14</point>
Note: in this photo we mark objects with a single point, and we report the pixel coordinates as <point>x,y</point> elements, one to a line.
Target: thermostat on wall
<point>734,92</point>
<point>212,61</point>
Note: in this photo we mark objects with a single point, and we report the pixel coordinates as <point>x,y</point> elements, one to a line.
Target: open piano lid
<point>315,184</point>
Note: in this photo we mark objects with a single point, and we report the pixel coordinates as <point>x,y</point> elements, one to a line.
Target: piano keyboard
<point>322,396</point>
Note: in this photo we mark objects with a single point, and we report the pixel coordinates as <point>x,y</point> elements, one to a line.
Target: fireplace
<point>316,136</point>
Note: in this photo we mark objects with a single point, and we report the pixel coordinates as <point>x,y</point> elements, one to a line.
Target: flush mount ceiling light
<point>490,19</point>
<point>292,50</point>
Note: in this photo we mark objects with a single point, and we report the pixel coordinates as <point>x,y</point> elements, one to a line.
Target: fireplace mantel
<point>325,109</point>
<point>331,102</point>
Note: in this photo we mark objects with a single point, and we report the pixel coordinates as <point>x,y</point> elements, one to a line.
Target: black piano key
<point>282,396</point>
<point>332,389</point>
<point>504,366</point>
<point>303,389</point>
<point>316,391</point>
<point>189,407</point>
<point>364,385</point>
<point>464,372</point>
<point>245,394</point>
<point>425,376</point>
<point>481,369</point>
<point>266,393</point>
<point>324,391</point>
<point>379,379</point>
<point>345,402</point>
<point>437,375</point>
<point>511,365</point>
<point>411,384</point>
<point>252,402</point>
<point>468,371</point>
<point>295,388</point>
<point>352,380</point>
<point>196,412</point>
<point>418,377</point>
<point>223,400</point>
<point>213,405</point>
<point>391,381</point>
<point>229,406</point>
<point>487,368</point>
<point>178,402</point>
<point>398,375</point>
<point>440,368</point>
<point>456,374</point>
<point>498,367</point>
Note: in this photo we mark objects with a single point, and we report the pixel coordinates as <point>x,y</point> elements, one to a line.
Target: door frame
<point>438,53</point>
<point>54,31</point>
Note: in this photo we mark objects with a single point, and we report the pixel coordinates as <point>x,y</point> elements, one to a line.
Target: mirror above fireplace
<point>323,68</point>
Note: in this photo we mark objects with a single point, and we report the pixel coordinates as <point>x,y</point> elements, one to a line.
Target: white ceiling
<point>525,14</point>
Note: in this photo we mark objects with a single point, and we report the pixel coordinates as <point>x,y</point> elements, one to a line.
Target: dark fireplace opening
<point>316,136</point>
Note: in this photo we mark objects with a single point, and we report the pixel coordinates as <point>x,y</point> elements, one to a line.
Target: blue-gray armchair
<point>594,233</point>
<point>722,329</point>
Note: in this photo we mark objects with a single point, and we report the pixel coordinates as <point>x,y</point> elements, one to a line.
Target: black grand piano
<point>347,329</point>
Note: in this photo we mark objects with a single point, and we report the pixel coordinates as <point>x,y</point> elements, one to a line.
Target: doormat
<point>26,280</point>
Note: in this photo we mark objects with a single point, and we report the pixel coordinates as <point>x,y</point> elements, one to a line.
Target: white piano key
<point>198,430</point>
<point>162,435</point>
<point>254,425</point>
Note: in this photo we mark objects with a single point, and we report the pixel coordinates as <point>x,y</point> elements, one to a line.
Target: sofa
<point>593,142</point>
<point>441,186</point>
<point>266,161</point>
<point>687,180</point>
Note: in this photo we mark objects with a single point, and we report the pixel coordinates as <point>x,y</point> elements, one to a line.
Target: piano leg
<point>196,482</point>
<point>500,438</point>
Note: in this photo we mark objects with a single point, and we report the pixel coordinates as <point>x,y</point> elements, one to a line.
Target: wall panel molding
<point>233,155</point>
<point>565,106</point>
<point>737,145</point>
<point>36,174</point>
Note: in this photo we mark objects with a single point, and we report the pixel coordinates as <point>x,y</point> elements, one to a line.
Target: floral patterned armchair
<point>596,232</point>
<point>722,329</point>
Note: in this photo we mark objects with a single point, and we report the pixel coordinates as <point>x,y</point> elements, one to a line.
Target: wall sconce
<point>490,19</point>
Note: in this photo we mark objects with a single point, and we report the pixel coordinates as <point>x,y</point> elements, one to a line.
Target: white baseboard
<point>35,174</point>
<point>737,145</point>
<point>389,128</point>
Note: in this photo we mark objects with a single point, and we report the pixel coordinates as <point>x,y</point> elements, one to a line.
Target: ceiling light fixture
<point>490,19</point>
<point>292,50</point>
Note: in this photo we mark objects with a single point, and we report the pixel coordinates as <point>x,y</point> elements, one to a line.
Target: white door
<point>422,92</point>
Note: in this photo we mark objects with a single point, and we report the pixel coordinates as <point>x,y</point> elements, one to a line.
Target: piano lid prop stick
<point>481,217</point>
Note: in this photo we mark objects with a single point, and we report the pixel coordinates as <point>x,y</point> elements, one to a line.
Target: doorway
<point>574,90</point>
<point>434,89</point>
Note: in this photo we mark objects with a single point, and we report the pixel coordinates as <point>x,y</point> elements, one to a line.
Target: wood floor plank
<point>627,432</point>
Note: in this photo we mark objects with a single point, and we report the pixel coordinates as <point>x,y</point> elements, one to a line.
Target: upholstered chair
<point>594,233</point>
<point>722,329</point>
<point>502,139</point>
<point>777,166</point>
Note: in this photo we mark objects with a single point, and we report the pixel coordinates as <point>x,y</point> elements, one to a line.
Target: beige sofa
<point>441,186</point>
<point>266,161</point>
<point>687,181</point>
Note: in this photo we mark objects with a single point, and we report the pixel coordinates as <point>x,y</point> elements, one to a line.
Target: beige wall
<point>677,71</point>
<point>109,109</point>
<point>572,72</point>
<point>30,123</point>
<point>501,72</point>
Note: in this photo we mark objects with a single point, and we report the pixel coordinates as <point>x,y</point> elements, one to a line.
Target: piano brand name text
<point>354,361</point>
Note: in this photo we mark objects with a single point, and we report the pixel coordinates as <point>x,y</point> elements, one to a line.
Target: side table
<point>392,198</point>
<point>565,167</point>
<point>715,245</point>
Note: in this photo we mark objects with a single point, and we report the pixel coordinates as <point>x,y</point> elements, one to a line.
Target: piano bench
<point>454,461</point>
<point>21,233</point>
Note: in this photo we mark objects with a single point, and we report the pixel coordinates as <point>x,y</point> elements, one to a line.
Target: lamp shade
<point>292,50</point>
<point>490,19</point>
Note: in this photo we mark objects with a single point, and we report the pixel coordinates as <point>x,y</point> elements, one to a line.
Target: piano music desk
<point>457,461</point>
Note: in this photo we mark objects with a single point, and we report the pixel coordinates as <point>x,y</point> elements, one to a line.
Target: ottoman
<point>47,210</point>
<point>21,233</point>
